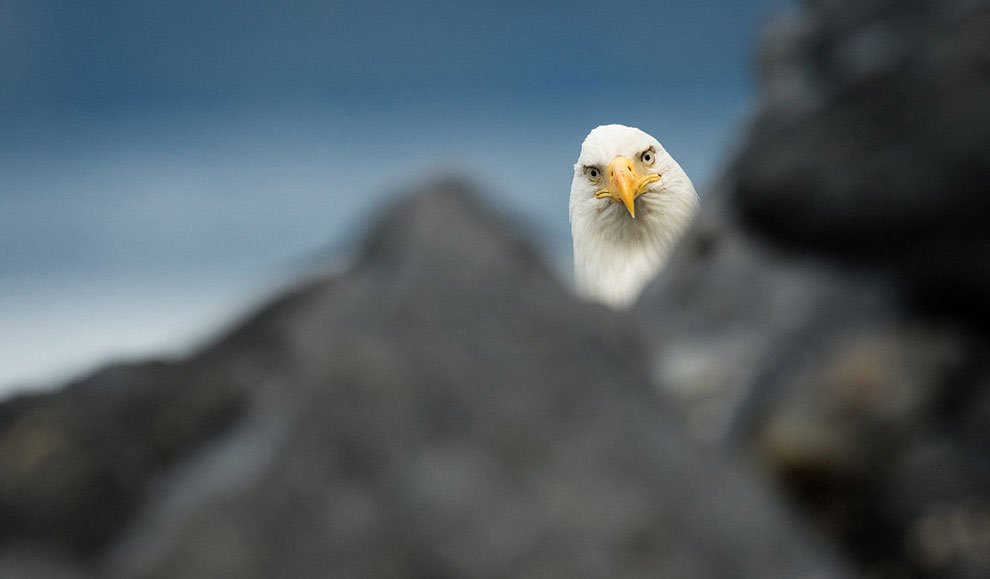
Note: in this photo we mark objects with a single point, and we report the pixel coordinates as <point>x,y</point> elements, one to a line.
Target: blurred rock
<point>873,140</point>
<point>825,315</point>
<point>445,409</point>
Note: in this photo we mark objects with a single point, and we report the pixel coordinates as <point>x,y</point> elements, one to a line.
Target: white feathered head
<point>630,202</point>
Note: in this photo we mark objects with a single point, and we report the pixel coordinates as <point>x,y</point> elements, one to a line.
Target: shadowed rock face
<point>825,316</point>
<point>873,140</point>
<point>444,409</point>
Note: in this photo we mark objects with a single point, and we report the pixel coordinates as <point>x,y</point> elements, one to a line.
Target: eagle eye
<point>648,157</point>
<point>593,173</point>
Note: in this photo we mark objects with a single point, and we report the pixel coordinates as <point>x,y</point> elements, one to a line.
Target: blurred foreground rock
<point>445,409</point>
<point>827,315</point>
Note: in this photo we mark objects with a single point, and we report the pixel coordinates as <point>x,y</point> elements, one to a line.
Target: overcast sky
<point>164,165</point>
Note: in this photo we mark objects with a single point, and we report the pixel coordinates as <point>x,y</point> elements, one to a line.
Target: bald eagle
<point>630,203</point>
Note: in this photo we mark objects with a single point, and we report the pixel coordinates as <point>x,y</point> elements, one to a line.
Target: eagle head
<point>630,202</point>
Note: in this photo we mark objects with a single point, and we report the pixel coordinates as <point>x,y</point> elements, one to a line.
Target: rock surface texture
<point>447,408</point>
<point>826,315</point>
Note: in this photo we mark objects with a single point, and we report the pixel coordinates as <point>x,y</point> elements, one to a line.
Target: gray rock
<point>873,140</point>
<point>825,315</point>
<point>445,409</point>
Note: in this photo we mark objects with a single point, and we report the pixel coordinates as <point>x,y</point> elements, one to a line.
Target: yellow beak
<point>625,183</point>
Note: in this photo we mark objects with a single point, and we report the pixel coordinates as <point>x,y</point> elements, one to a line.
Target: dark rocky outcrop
<point>826,316</point>
<point>872,142</point>
<point>445,409</point>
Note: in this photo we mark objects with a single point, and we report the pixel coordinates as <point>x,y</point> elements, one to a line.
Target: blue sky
<point>108,56</point>
<point>165,165</point>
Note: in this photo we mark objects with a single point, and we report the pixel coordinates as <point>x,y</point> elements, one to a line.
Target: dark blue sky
<point>164,164</point>
<point>72,56</point>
